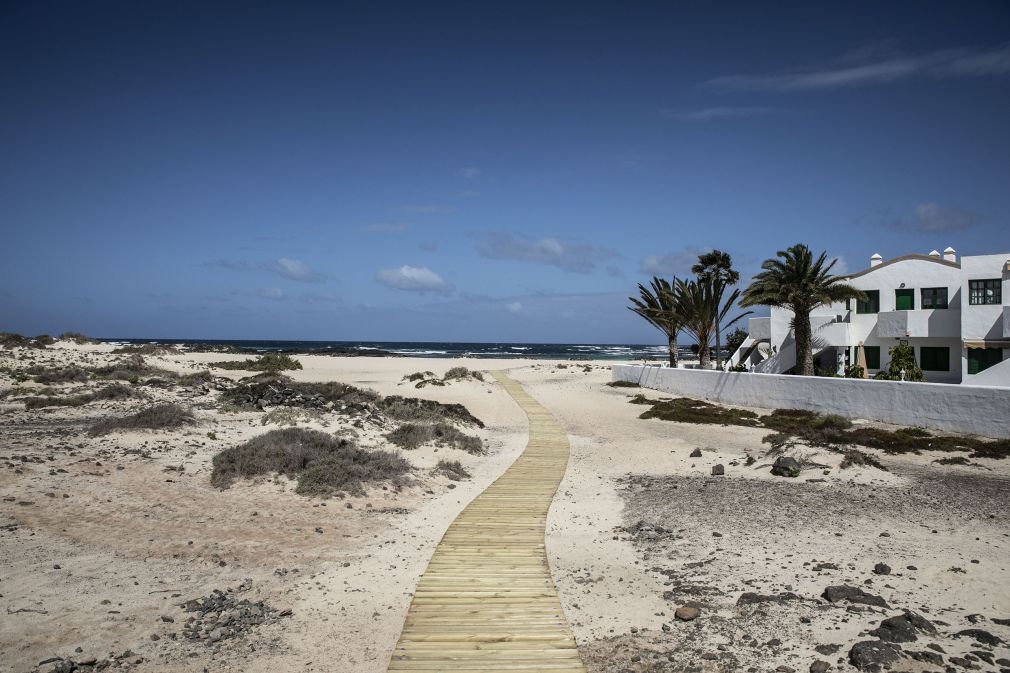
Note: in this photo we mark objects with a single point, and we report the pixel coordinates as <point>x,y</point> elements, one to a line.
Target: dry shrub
<point>290,416</point>
<point>116,391</point>
<point>413,435</point>
<point>623,384</point>
<point>322,464</point>
<point>412,409</point>
<point>158,417</point>
<point>48,375</point>
<point>453,469</point>
<point>144,349</point>
<point>271,362</point>
<point>132,368</point>
<point>685,410</point>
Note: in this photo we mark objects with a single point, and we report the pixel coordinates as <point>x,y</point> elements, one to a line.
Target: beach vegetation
<point>686,410</point>
<point>159,417</point>
<point>114,392</point>
<point>798,281</point>
<point>322,464</point>
<point>623,384</point>
<point>144,349</point>
<point>270,362</point>
<point>414,435</point>
<point>132,368</point>
<point>77,338</point>
<point>415,410</point>
<point>452,469</point>
<point>422,379</point>
<point>292,416</point>
<point>50,375</point>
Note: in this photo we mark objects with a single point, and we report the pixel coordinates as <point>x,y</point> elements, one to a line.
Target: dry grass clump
<point>428,378</point>
<point>116,391</point>
<point>322,464</point>
<point>132,368</point>
<point>290,416</point>
<point>252,388</point>
<point>623,384</point>
<point>195,378</point>
<point>857,458</point>
<point>414,410</point>
<point>413,435</point>
<point>144,349</point>
<point>77,338</point>
<point>271,362</point>
<point>159,417</point>
<point>685,410</point>
<point>49,375</point>
<point>453,469</point>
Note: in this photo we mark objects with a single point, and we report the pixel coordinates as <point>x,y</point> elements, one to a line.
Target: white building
<point>955,314</point>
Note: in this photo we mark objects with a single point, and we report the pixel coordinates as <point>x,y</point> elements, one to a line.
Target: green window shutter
<point>934,358</point>
<point>872,303</point>
<point>904,300</point>
<point>872,357</point>
<point>980,359</point>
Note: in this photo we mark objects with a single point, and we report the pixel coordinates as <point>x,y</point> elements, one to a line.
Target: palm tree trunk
<point>804,356</point>
<point>672,339</point>
<point>718,346</point>
<point>704,355</point>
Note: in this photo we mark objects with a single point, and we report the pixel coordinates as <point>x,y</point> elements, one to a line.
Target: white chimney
<point>950,254</point>
<point>935,253</point>
<point>876,259</point>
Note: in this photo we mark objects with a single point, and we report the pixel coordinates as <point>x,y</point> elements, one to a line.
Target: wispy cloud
<point>414,279</point>
<point>932,218</point>
<point>711,114</point>
<point>470,172</point>
<point>427,208</point>
<point>295,269</point>
<point>566,255</point>
<point>514,307</point>
<point>672,263</point>
<point>387,226</point>
<point>869,67</point>
<point>274,293</point>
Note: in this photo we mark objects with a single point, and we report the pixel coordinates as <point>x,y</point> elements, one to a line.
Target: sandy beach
<point>106,539</point>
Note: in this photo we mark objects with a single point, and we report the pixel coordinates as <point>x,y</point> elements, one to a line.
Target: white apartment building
<point>954,313</point>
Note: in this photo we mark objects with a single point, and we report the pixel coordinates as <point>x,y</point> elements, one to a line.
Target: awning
<point>987,343</point>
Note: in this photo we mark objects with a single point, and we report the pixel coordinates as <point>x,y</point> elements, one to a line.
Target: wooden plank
<point>486,601</point>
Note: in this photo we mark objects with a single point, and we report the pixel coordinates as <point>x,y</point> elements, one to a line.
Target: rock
<point>902,628</point>
<point>853,595</point>
<point>696,453</point>
<point>686,613</point>
<point>873,655</point>
<point>785,466</point>
<point>962,662</point>
<point>827,649</point>
<point>718,470</point>
<point>750,598</point>
<point>820,666</point>
<point>881,569</point>
<point>926,657</point>
<point>785,669</point>
<point>981,636</point>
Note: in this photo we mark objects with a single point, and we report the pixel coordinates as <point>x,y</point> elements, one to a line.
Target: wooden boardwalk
<point>486,601</point>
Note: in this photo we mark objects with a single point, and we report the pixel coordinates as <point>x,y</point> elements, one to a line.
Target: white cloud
<point>295,269</point>
<point>414,279</point>
<point>274,293</point>
<point>567,256</point>
<point>672,263</point>
<point>470,172</point>
<point>841,267</point>
<point>871,68</point>
<point>514,307</point>
<point>932,218</point>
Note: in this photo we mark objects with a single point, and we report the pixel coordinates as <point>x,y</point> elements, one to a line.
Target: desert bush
<point>195,378</point>
<point>685,410</point>
<point>453,469</point>
<point>252,388</point>
<point>412,409</point>
<point>116,391</point>
<point>857,458</point>
<point>77,338</point>
<point>322,464</point>
<point>132,368</point>
<point>159,417</point>
<point>290,416</point>
<point>271,362</point>
<point>413,435</point>
<point>144,349</point>
<point>419,376</point>
<point>462,374</point>
<point>49,375</point>
<point>454,374</point>
<point>623,384</point>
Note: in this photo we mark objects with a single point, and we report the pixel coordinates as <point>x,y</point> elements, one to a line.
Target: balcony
<point>937,323</point>
<point>832,333</point>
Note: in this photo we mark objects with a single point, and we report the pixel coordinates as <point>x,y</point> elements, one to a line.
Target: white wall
<point>969,409</point>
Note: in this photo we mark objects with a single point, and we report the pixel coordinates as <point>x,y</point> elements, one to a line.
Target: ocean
<point>436,349</point>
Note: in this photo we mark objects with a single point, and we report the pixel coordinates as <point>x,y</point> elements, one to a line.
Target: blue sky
<point>474,171</point>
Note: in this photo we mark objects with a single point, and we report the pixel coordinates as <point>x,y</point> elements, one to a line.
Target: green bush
<point>271,362</point>
<point>413,435</point>
<point>855,372</point>
<point>902,358</point>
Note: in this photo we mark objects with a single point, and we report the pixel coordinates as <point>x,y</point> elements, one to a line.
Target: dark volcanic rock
<point>820,666</point>
<point>903,628</point>
<point>926,657</point>
<point>853,595</point>
<point>881,569</point>
<point>981,636</point>
<point>718,470</point>
<point>873,655</point>
<point>751,598</point>
<point>696,453</point>
<point>785,466</point>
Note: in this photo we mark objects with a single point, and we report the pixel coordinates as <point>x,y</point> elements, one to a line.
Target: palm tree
<point>798,282</point>
<point>658,306</point>
<point>700,303</point>
<point>717,266</point>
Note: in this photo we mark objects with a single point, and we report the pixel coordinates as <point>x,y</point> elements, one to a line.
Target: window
<point>872,303</point>
<point>934,297</point>
<point>872,357</point>
<point>934,358</point>
<point>988,291</point>
<point>904,300</point>
<point>980,359</point>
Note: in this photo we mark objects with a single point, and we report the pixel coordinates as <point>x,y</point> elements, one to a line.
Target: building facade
<point>954,313</point>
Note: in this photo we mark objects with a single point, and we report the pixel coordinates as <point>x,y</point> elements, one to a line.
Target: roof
<point>902,258</point>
